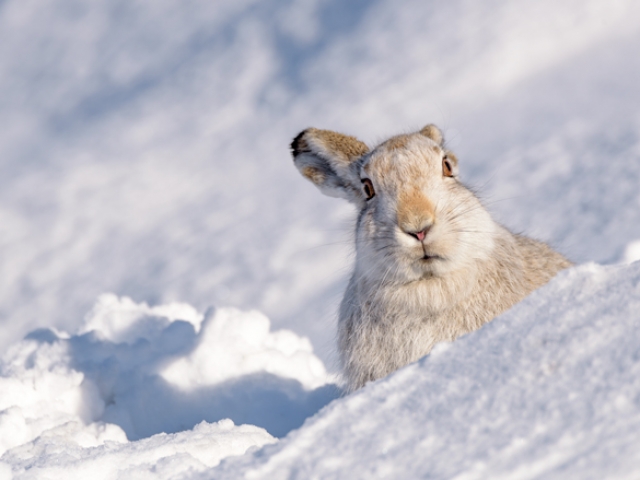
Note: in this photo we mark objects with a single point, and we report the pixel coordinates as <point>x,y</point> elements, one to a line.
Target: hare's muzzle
<point>416,213</point>
<point>419,235</point>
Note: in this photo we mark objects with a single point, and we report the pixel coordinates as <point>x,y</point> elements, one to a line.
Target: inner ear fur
<point>434,133</point>
<point>325,158</point>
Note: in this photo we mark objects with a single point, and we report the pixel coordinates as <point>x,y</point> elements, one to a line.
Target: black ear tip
<point>299,144</point>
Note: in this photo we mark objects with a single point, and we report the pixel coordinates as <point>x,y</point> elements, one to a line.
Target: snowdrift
<point>144,152</point>
<point>550,389</point>
<point>73,403</point>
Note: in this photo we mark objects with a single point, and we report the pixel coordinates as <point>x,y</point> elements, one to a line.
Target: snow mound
<point>122,320</point>
<point>243,344</point>
<point>134,371</point>
<point>551,389</point>
<point>160,456</point>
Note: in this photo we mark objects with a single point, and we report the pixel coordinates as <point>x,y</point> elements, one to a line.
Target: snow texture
<point>145,145</point>
<point>145,153</point>
<point>71,403</point>
<point>69,452</point>
<point>550,389</point>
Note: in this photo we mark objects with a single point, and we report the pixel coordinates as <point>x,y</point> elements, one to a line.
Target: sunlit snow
<point>169,284</point>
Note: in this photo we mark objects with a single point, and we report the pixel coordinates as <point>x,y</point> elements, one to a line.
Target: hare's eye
<point>369,192</point>
<point>447,171</point>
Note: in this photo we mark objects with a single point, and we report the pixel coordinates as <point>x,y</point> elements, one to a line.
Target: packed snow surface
<point>144,152</point>
<point>549,390</point>
<point>70,452</point>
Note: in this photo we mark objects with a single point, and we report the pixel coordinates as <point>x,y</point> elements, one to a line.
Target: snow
<point>145,153</point>
<point>110,393</point>
<point>145,144</point>
<point>63,454</point>
<point>550,389</point>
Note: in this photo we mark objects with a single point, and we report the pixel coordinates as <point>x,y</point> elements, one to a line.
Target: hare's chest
<point>381,342</point>
<point>384,330</point>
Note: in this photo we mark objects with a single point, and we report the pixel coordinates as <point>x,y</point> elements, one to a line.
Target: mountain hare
<point>431,264</point>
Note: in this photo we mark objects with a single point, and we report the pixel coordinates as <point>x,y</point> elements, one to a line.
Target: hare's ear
<point>433,133</point>
<point>327,159</point>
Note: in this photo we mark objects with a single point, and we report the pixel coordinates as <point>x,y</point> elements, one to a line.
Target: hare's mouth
<point>427,256</point>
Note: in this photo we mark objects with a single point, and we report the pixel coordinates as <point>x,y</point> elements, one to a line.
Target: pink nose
<point>421,234</point>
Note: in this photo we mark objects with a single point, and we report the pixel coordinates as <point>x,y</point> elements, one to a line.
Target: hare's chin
<point>430,262</point>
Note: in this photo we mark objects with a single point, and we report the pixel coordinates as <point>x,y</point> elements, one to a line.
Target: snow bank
<point>551,389</point>
<point>59,455</point>
<point>80,402</point>
<point>144,152</point>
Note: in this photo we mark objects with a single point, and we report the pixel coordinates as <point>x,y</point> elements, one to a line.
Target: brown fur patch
<point>315,175</point>
<point>345,147</point>
<point>415,211</point>
<point>341,147</point>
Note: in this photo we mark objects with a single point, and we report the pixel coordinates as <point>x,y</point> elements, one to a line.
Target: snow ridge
<point>550,389</point>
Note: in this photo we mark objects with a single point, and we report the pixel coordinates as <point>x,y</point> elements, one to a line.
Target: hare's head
<point>416,219</point>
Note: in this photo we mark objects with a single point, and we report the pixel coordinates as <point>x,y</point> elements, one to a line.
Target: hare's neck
<point>428,296</point>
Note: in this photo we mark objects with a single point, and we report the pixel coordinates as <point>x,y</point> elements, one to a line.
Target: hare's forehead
<point>417,161</point>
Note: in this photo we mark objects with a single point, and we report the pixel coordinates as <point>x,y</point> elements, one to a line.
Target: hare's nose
<point>421,234</point>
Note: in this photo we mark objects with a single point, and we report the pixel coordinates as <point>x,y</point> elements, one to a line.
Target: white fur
<point>406,295</point>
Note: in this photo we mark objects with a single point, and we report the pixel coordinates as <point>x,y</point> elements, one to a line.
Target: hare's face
<point>420,220</point>
<point>416,220</point>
